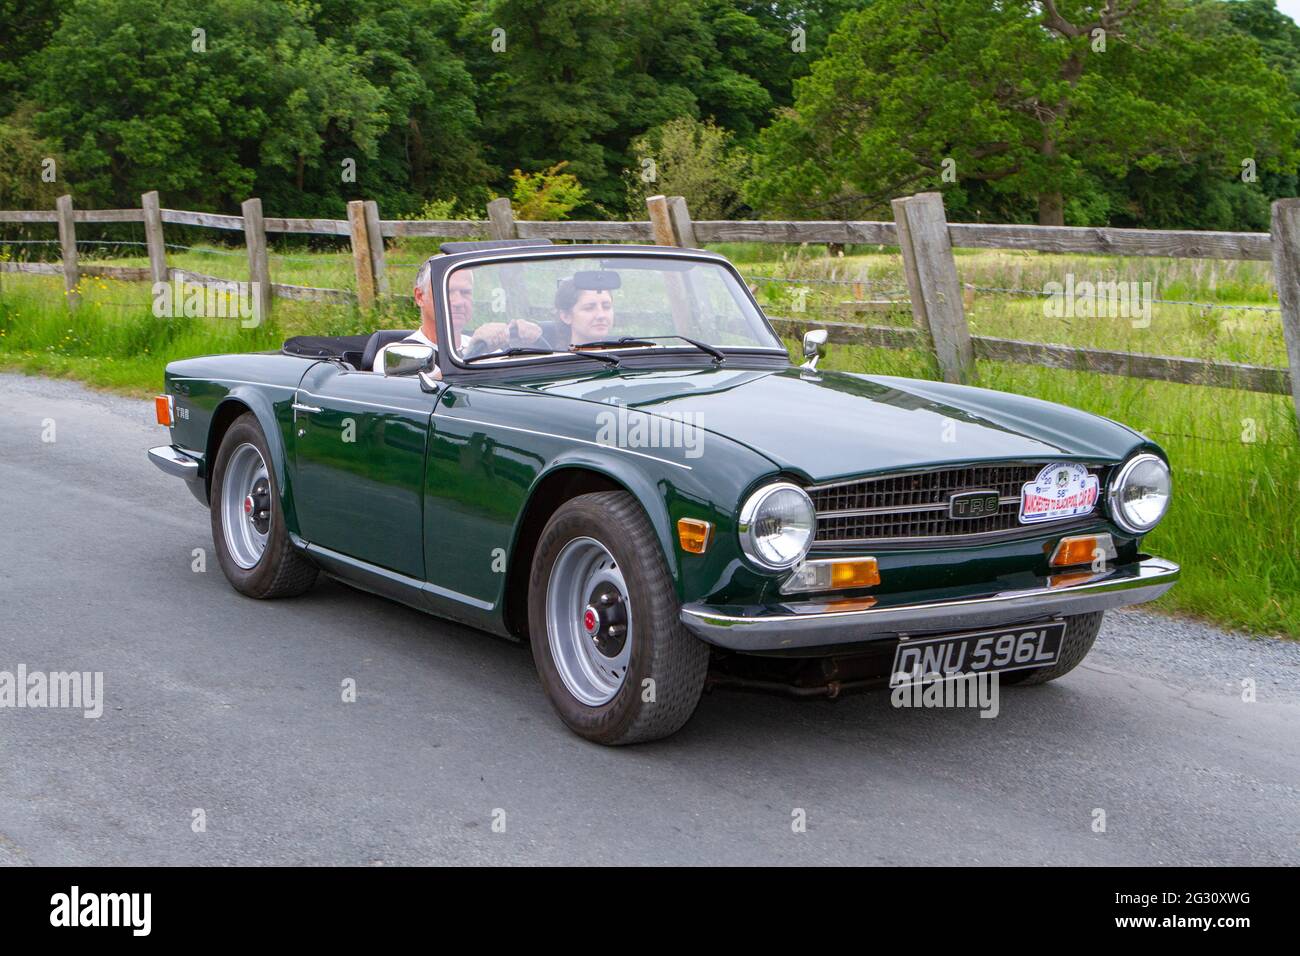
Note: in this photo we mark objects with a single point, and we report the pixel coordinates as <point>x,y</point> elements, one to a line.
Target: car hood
<point>828,425</point>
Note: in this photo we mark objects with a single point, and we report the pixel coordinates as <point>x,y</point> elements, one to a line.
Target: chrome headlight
<point>1139,494</point>
<point>777,525</point>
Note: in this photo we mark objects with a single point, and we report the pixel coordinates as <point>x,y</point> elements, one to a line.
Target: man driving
<point>460,303</point>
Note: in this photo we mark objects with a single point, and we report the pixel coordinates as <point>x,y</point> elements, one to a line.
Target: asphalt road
<point>218,703</point>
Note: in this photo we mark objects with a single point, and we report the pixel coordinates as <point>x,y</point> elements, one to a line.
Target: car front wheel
<point>248,528</point>
<point>603,620</point>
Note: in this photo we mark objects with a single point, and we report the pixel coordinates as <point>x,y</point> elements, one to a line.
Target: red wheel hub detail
<point>589,621</point>
<point>248,505</point>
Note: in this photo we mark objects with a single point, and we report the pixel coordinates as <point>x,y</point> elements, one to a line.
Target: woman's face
<point>591,317</point>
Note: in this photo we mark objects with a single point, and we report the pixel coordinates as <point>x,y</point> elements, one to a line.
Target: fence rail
<point>920,230</point>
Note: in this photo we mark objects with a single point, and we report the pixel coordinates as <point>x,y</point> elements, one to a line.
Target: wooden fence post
<point>361,254</point>
<point>683,228</point>
<point>661,221</point>
<point>501,225</point>
<point>68,243</point>
<point>259,267</point>
<point>501,219</point>
<point>153,236</point>
<point>375,234</point>
<point>1285,233</point>
<point>932,281</point>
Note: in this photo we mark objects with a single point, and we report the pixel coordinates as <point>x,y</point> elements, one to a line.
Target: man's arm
<point>496,335</point>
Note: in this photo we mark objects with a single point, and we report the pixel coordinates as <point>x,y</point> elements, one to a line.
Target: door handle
<point>299,407</point>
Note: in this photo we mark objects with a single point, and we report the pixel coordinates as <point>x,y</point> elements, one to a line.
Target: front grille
<point>914,506</point>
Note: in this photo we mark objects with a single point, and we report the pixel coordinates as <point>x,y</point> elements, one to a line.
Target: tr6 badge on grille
<point>1061,490</point>
<point>973,504</point>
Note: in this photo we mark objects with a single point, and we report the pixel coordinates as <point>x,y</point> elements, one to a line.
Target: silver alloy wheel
<point>246,505</point>
<point>589,621</point>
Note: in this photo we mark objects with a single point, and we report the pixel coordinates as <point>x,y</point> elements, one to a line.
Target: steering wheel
<point>513,338</point>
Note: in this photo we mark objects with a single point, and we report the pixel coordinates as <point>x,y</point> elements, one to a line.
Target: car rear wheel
<point>248,529</point>
<point>603,620</point>
<point>1080,634</point>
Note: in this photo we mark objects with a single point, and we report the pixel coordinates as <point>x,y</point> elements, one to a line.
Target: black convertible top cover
<point>325,346</point>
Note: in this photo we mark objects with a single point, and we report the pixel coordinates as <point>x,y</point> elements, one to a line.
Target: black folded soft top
<point>342,347</point>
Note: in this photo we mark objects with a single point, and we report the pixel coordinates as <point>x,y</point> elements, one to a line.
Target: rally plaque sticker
<point>1061,490</point>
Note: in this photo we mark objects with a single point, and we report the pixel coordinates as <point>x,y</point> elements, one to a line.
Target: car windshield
<point>518,309</point>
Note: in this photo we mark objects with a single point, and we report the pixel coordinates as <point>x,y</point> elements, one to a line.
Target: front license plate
<point>979,652</point>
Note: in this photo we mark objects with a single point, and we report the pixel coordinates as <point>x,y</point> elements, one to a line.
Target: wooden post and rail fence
<point>920,230</point>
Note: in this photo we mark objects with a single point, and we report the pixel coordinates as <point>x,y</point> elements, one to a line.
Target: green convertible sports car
<point>611,456</point>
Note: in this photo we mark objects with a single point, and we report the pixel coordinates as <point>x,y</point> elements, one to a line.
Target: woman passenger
<point>589,313</point>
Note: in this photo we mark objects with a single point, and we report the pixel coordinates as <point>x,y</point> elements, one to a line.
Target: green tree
<point>547,195</point>
<point>431,146</point>
<point>25,27</point>
<point>23,180</point>
<point>140,101</point>
<point>696,160</point>
<point>559,79</point>
<point>577,80</point>
<point>1021,101</point>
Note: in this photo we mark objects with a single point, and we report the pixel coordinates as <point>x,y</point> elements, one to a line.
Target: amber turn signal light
<point>162,406</point>
<point>860,573</point>
<point>1082,549</point>
<point>833,574</point>
<point>694,534</point>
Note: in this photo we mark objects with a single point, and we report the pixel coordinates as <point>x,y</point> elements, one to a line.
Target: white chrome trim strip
<point>230,381</point>
<point>367,404</point>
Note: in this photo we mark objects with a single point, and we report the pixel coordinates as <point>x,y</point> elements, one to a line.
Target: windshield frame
<point>449,361</point>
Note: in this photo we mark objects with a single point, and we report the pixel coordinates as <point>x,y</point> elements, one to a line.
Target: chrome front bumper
<point>174,463</point>
<point>177,463</point>
<point>829,622</point>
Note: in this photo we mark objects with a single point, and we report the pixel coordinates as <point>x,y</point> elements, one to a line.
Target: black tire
<point>281,571</point>
<point>663,651</point>
<point>1080,634</point>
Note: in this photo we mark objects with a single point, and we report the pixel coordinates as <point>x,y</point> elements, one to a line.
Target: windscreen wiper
<point>607,359</point>
<point>514,350</point>
<point>718,356</point>
<point>612,343</point>
<point>528,350</point>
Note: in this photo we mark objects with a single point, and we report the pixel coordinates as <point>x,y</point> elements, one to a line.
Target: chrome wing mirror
<point>814,348</point>
<point>411,358</point>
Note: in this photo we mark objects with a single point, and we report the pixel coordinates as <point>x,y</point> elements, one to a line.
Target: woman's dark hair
<point>567,295</point>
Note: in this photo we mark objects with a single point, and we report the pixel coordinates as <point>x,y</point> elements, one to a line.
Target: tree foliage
<point>805,108</point>
<point>1022,101</point>
<point>695,159</point>
<point>545,196</point>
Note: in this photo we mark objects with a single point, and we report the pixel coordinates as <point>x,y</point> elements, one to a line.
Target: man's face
<point>460,298</point>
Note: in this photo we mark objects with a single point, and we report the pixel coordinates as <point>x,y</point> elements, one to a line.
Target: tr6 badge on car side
<point>813,515</point>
